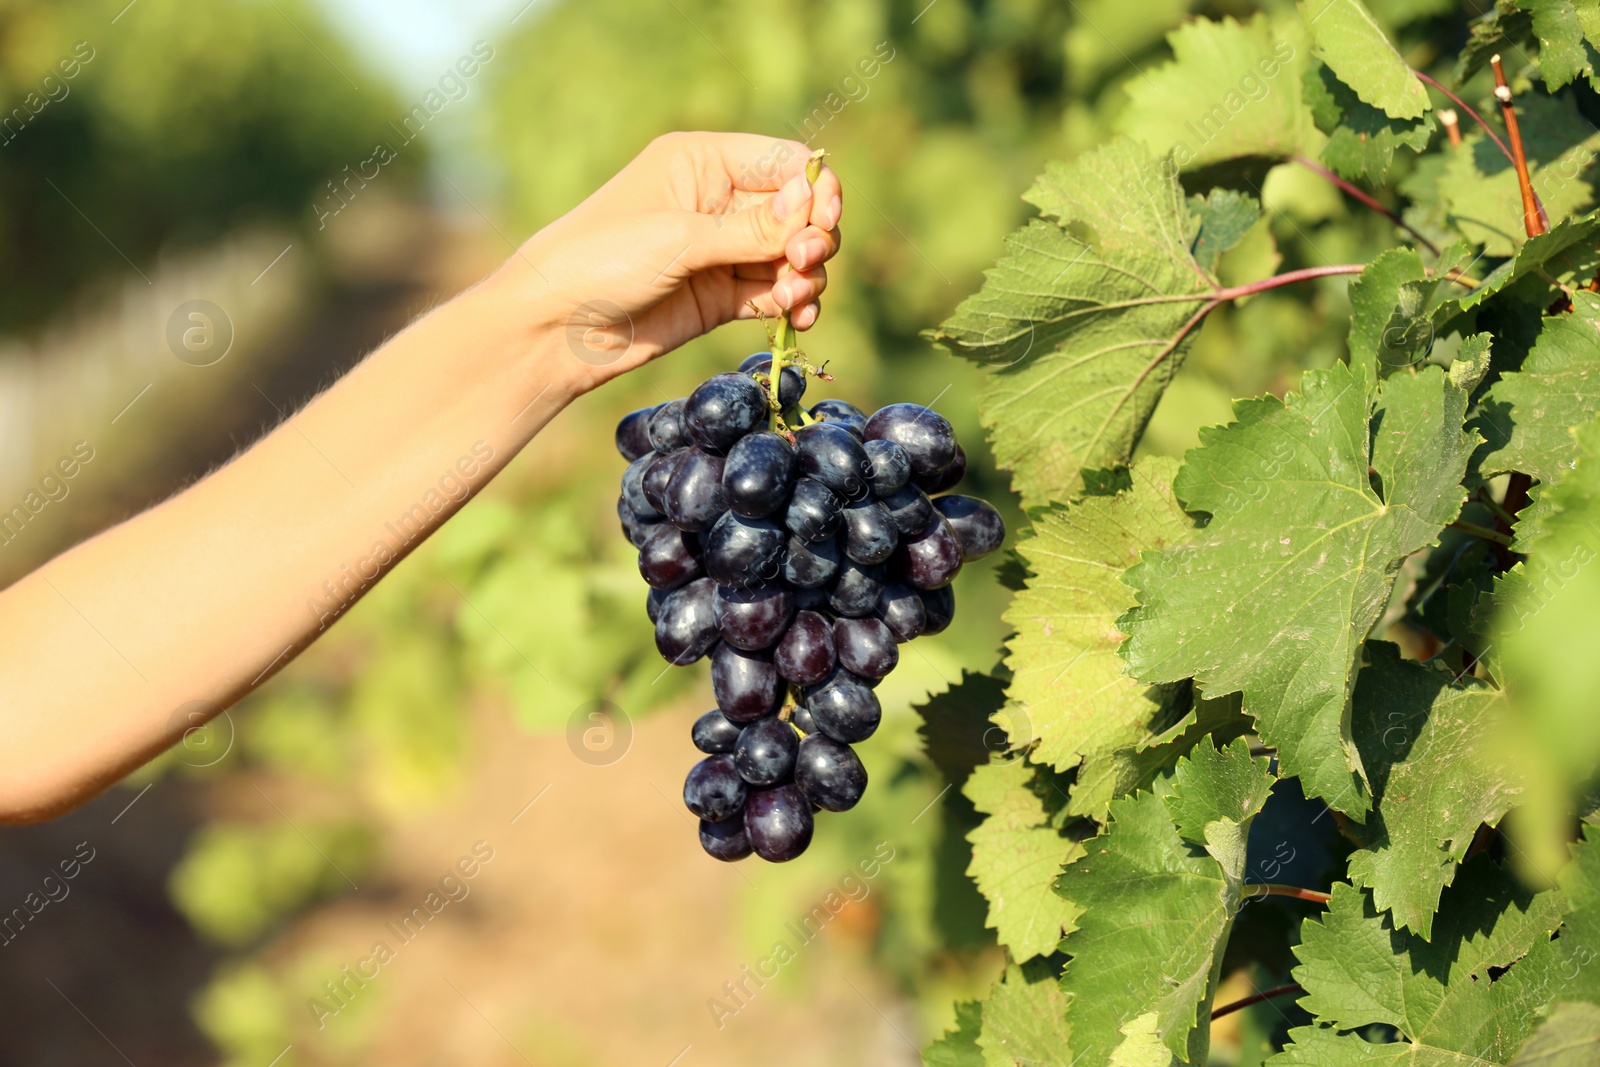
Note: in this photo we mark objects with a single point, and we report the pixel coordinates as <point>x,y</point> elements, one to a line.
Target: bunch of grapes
<point>798,561</point>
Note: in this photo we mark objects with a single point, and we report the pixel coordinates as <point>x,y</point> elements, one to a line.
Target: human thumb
<point>759,232</point>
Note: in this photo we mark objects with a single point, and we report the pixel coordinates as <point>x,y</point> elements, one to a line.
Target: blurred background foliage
<point>198,120</point>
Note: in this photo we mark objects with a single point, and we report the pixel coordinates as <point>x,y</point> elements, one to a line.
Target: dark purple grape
<point>810,565</point>
<point>669,560</point>
<point>724,408</point>
<point>940,605</point>
<point>946,479</point>
<point>694,494</point>
<point>830,774</point>
<point>715,733</point>
<point>865,647</point>
<point>743,552</point>
<point>765,753</point>
<point>911,509</point>
<point>778,822</point>
<point>869,531</point>
<point>725,840</point>
<point>841,413</point>
<point>977,525</point>
<point>930,559</point>
<point>746,684</point>
<point>657,475</point>
<point>666,429</point>
<point>855,592</point>
<point>890,467</point>
<point>633,488</point>
<point>805,654</point>
<point>833,456</point>
<point>753,619</point>
<point>714,791</point>
<point>652,603</point>
<point>633,438</point>
<point>928,440</point>
<point>794,380</point>
<point>814,511</point>
<point>635,529</point>
<point>687,626</point>
<point>844,708</point>
<point>902,611</point>
<point>801,717</point>
<point>759,475</point>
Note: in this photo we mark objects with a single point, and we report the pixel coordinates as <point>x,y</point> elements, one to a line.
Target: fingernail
<point>795,194</point>
<point>810,253</point>
<point>835,209</point>
<point>783,293</point>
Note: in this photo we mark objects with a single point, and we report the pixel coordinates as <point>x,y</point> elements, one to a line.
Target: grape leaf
<point>1275,596</point>
<point>1569,1038</point>
<point>1350,41</point>
<point>1528,416</point>
<point>1025,1021</point>
<point>1361,139</point>
<point>1067,676</point>
<point>959,1047</point>
<point>1567,250</point>
<point>1564,56</point>
<point>1226,215</point>
<point>1506,28</point>
<point>1392,304</point>
<point>1420,732</point>
<point>1479,186</point>
<point>1358,970</point>
<point>1016,855</point>
<point>1156,913</point>
<point>1084,322</point>
<point>1232,91</point>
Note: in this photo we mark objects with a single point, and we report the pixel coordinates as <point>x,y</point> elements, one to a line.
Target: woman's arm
<point>205,596</point>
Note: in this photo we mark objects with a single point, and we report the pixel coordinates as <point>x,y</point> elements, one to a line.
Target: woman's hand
<point>688,236</point>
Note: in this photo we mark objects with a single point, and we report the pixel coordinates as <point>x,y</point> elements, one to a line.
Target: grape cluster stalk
<point>798,561</point>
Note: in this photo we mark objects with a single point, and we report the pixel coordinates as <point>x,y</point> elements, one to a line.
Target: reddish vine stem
<point>1273,889</point>
<point>1533,216</point>
<point>1369,200</point>
<point>1472,114</point>
<point>1256,998</point>
<point>1305,274</point>
<point>1462,104</point>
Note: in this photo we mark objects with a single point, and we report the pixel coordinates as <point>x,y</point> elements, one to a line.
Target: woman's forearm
<point>203,597</point>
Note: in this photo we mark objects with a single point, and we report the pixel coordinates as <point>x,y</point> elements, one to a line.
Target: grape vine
<point>1288,732</point>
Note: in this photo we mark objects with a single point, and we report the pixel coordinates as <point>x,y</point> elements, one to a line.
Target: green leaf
<point>1374,296</point>
<point>1358,970</point>
<point>1025,1021</point>
<point>1479,186</point>
<point>1083,322</point>
<point>1350,41</point>
<point>1549,653</point>
<point>1232,91</point>
<point>959,1047</point>
<point>1226,215</point>
<point>956,732</point>
<point>1563,54</point>
<point>1421,736</point>
<point>1156,912</point>
<point>1361,138</point>
<point>1564,253</point>
<point>1507,28</point>
<point>1067,675</point>
<point>1528,416</point>
<point>1275,596</point>
<point>1569,1038</point>
<point>1016,854</point>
